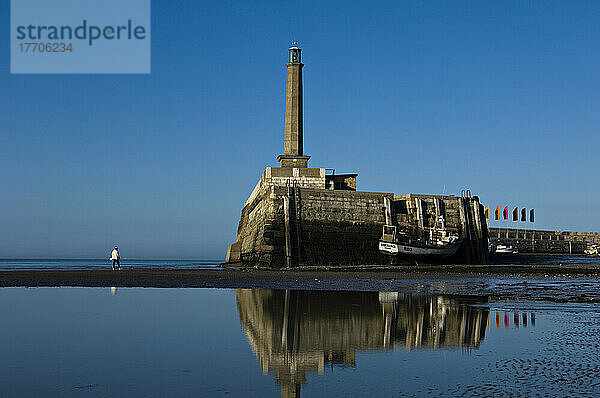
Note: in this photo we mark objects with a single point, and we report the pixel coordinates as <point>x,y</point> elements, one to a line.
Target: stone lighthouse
<point>298,215</point>
<point>293,147</point>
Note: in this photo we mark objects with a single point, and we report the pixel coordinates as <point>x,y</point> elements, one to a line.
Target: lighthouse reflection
<point>292,332</point>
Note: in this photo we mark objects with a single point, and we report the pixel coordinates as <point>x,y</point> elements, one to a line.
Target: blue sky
<point>424,97</point>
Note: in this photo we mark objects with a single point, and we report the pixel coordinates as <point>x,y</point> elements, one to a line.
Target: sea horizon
<point>101,263</point>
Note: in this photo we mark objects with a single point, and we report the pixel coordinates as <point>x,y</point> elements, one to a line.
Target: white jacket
<point>114,255</point>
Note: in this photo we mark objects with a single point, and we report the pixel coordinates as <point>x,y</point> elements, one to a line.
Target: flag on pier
<point>523,214</point>
<point>516,214</point>
<point>505,213</point>
<point>497,213</point>
<point>531,215</point>
<point>487,212</point>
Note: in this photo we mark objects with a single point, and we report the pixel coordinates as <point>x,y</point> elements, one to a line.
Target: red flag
<point>516,214</point>
<point>523,214</point>
<point>505,212</point>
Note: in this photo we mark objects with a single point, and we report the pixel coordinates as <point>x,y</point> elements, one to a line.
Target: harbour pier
<point>299,215</point>
<point>544,241</point>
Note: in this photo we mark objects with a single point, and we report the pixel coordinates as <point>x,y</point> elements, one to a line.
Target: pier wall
<point>290,219</point>
<point>324,228</point>
<point>340,227</point>
<point>543,241</point>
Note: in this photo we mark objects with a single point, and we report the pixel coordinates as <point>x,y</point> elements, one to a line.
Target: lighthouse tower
<point>293,147</point>
<point>300,215</point>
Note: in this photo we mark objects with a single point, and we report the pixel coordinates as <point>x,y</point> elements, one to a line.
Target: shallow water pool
<point>258,342</point>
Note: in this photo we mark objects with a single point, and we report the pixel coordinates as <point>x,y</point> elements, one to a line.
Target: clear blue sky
<point>425,97</point>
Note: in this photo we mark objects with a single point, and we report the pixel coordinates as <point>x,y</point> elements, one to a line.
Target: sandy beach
<point>531,282</point>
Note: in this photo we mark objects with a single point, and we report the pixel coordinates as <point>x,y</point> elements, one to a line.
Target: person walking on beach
<point>114,256</point>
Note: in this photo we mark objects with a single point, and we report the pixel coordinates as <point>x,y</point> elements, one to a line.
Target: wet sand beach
<point>566,283</point>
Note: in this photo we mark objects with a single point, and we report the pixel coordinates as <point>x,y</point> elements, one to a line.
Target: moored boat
<point>506,249</point>
<point>439,244</point>
<point>592,249</point>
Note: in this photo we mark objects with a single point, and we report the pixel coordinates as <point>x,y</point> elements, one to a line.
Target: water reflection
<point>292,332</point>
<point>519,319</point>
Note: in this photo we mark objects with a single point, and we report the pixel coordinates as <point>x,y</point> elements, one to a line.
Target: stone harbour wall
<point>334,227</point>
<point>290,219</point>
<point>260,235</point>
<point>341,227</point>
<point>543,241</point>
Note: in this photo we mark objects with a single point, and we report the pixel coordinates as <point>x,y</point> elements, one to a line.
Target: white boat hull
<point>388,248</point>
<point>418,251</point>
<point>506,249</point>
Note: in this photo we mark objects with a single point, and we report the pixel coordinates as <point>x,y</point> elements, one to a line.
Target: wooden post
<point>419,207</point>
<point>483,247</point>
<point>387,203</point>
<point>288,240</point>
<point>297,222</point>
<point>465,230</point>
<point>570,248</point>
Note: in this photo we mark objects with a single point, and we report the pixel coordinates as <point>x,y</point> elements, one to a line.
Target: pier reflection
<point>292,332</point>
